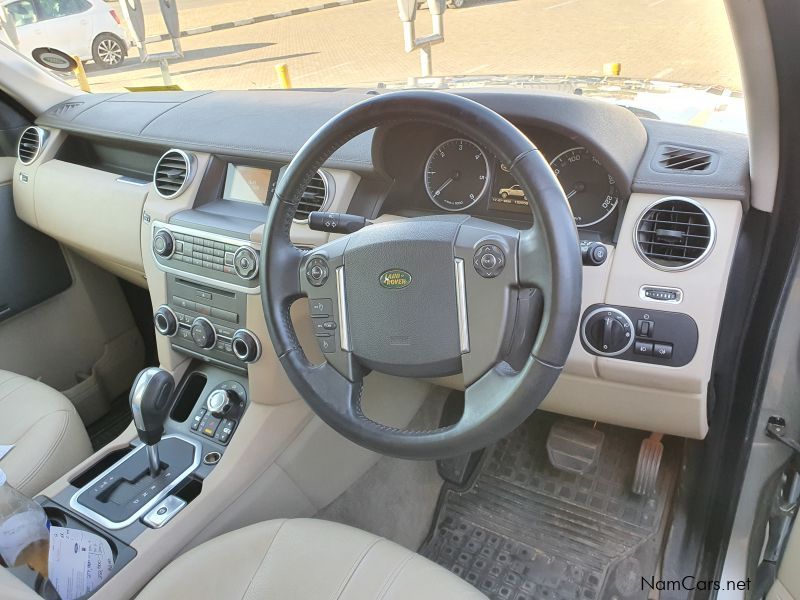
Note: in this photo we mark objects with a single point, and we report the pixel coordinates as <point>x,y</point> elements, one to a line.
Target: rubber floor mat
<point>526,531</point>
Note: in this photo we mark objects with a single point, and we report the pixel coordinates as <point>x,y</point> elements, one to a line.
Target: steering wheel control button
<point>317,271</point>
<point>327,344</point>
<point>245,262</point>
<point>163,243</point>
<point>321,307</point>
<point>324,327</point>
<point>203,333</point>
<point>489,260</point>
<point>607,331</point>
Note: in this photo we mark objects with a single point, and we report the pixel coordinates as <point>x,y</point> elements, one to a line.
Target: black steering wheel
<point>431,296</point>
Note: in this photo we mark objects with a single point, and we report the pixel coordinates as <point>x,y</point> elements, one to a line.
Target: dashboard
<point>436,170</point>
<point>643,357</point>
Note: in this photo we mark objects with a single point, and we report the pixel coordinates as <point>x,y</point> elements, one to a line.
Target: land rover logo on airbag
<point>395,279</point>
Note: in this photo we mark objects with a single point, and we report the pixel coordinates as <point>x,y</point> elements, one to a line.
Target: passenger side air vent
<point>675,158</point>
<point>314,198</point>
<point>30,144</point>
<point>173,173</point>
<point>674,234</point>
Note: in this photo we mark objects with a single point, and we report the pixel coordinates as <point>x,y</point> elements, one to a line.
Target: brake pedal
<point>573,447</point>
<point>650,453</point>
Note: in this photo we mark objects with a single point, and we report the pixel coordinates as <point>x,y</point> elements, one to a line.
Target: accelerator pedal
<point>573,447</point>
<point>650,453</point>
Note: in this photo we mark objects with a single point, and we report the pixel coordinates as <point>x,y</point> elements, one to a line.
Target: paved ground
<point>682,40</point>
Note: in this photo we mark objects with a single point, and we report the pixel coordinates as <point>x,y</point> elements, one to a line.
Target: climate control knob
<point>607,331</point>
<point>203,333</point>
<point>245,346</point>
<point>165,321</point>
<point>163,243</point>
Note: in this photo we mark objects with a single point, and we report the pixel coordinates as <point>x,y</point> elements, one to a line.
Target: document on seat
<point>5,449</point>
<point>79,561</point>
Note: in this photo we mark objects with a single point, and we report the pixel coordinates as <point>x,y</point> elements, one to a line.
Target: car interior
<point>364,343</point>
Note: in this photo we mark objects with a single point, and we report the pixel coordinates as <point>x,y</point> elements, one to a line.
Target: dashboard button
<point>662,351</point>
<point>643,348</point>
<point>644,328</point>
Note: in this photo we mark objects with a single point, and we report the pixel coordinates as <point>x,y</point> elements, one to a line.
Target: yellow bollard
<point>612,69</point>
<point>80,74</point>
<point>283,76</point>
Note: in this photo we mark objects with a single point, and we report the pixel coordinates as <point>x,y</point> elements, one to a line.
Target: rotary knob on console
<point>203,333</point>
<point>164,243</point>
<point>245,346</point>
<point>219,402</point>
<point>607,331</point>
<point>165,321</point>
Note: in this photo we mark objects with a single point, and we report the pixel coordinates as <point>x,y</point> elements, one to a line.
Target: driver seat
<point>305,558</point>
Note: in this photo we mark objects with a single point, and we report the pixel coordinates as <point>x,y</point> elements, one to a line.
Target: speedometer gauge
<point>590,189</point>
<point>456,174</point>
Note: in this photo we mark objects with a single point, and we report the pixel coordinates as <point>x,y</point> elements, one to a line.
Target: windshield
<point>668,59</point>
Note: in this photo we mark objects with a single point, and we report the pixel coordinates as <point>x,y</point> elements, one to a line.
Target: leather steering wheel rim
<point>544,258</point>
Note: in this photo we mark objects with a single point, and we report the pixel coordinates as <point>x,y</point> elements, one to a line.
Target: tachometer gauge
<point>456,174</point>
<point>590,189</point>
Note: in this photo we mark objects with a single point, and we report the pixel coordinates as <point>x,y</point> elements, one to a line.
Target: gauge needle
<point>441,187</point>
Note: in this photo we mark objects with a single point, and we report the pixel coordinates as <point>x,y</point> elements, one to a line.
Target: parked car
<point>88,29</point>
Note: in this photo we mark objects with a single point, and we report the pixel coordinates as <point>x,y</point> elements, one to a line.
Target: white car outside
<point>89,29</point>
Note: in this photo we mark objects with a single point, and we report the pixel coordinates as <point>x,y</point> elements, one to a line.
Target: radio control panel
<point>227,261</point>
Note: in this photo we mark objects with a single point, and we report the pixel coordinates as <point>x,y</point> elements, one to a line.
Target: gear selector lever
<point>150,402</point>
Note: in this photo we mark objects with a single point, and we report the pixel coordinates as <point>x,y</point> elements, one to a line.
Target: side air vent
<point>674,234</point>
<point>675,158</point>
<point>173,173</point>
<point>30,144</point>
<point>316,196</point>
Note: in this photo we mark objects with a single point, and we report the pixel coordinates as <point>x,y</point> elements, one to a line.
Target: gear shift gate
<point>125,491</point>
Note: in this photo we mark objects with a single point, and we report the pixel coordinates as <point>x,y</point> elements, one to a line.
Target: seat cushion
<point>308,559</point>
<point>48,435</point>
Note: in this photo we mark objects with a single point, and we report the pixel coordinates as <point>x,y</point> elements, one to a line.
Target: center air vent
<point>674,234</point>
<point>30,144</point>
<point>173,173</point>
<point>314,198</point>
<point>675,158</point>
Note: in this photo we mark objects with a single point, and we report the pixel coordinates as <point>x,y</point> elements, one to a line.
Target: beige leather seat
<point>48,435</point>
<point>308,559</point>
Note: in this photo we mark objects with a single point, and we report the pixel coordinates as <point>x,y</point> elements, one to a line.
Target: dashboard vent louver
<point>675,158</point>
<point>173,173</point>
<point>315,197</point>
<point>30,144</point>
<point>674,234</point>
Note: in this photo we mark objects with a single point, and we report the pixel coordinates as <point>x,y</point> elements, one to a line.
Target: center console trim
<point>111,525</point>
<point>211,236</point>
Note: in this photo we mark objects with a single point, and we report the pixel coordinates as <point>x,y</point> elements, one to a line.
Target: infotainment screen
<point>247,184</point>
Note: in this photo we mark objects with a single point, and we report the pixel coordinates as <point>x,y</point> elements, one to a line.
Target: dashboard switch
<point>662,351</point>
<point>643,348</point>
<point>644,328</point>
